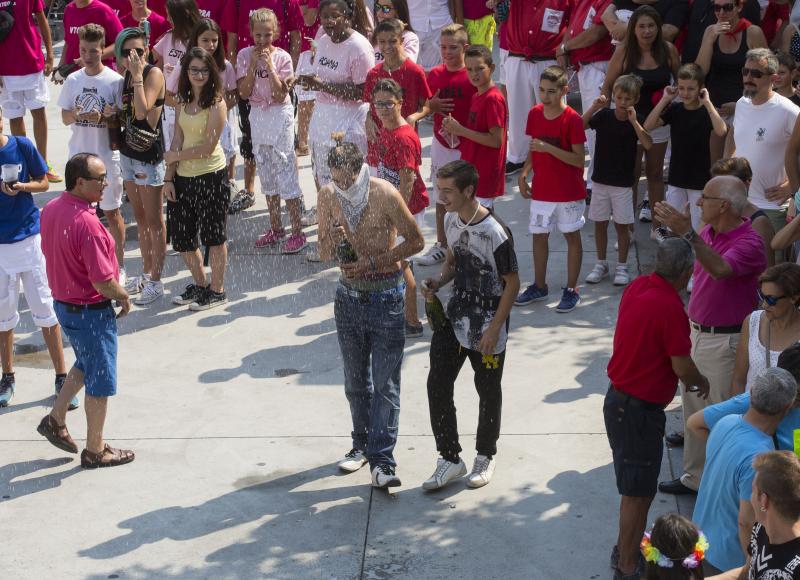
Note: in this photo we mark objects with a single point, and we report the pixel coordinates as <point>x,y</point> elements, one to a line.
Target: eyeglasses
<point>385,104</point>
<point>724,7</point>
<point>198,72</point>
<point>384,8</point>
<point>768,298</point>
<point>126,52</point>
<point>753,72</point>
<point>705,197</point>
<point>99,179</point>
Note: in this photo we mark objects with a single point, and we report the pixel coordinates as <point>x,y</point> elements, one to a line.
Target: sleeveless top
<point>653,83</point>
<point>724,82</point>
<point>794,43</point>
<point>156,153</point>
<point>757,352</point>
<point>195,133</point>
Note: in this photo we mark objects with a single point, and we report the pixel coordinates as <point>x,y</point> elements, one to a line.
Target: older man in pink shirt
<point>730,258</point>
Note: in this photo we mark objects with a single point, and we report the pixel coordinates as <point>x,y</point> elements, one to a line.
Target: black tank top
<point>653,83</point>
<point>724,82</point>
<point>156,153</point>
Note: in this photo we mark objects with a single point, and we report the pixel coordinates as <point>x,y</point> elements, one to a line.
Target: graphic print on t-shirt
<point>89,101</point>
<point>772,561</point>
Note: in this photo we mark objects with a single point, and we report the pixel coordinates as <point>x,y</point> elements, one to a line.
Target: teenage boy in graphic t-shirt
<point>80,12</point>
<point>483,138</point>
<point>23,72</point>
<point>452,95</point>
<point>558,194</point>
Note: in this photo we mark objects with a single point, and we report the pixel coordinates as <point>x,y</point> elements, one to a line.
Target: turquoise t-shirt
<point>788,431</point>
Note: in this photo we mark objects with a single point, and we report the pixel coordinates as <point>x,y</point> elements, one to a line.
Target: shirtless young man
<point>370,215</point>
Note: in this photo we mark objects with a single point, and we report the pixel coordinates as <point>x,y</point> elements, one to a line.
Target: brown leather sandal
<point>109,457</point>
<point>57,434</point>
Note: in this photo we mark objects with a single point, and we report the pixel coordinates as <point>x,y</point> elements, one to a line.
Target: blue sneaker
<point>6,389</point>
<point>569,300</point>
<point>74,403</point>
<point>532,294</point>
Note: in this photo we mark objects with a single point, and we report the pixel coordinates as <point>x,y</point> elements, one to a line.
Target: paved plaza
<point>238,416</point>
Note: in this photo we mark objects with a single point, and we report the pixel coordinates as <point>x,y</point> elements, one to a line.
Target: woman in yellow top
<point>196,179</point>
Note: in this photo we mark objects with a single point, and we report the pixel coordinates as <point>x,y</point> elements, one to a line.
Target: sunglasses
<point>126,52</point>
<point>724,7</point>
<point>383,8</point>
<point>385,104</point>
<point>753,72</point>
<point>769,299</point>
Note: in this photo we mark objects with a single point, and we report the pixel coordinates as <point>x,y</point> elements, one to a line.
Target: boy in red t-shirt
<point>398,157</point>
<point>452,95</point>
<point>558,193</point>
<point>483,137</point>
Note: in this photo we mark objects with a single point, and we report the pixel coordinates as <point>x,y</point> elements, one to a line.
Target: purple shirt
<point>727,301</point>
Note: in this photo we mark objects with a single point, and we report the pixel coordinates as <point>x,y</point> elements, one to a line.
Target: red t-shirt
<point>160,6</point>
<point>401,149</point>
<point>95,13</point>
<point>22,48</point>
<point>451,85</point>
<point>476,9</point>
<point>159,25</point>
<point>236,18</point>
<point>652,326</point>
<point>486,111</point>
<point>537,28</point>
<point>120,7</point>
<point>411,77</point>
<point>554,180</point>
<point>587,13</point>
<point>213,9</point>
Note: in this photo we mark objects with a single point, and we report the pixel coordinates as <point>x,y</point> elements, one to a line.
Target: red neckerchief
<point>743,24</point>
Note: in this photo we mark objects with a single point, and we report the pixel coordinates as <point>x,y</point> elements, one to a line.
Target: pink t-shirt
<point>476,9</point>
<point>171,52</point>
<point>237,19</point>
<point>727,301</point>
<point>78,250</point>
<point>22,48</point>
<point>95,13</point>
<point>262,90</point>
<point>350,60</point>
<point>228,78</point>
<point>159,6</point>
<point>158,25</point>
<point>213,9</point>
<point>120,7</point>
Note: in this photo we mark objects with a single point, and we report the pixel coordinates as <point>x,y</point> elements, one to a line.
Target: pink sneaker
<point>270,238</point>
<point>294,244</point>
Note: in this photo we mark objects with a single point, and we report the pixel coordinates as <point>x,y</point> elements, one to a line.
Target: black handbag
<point>6,22</point>
<point>138,138</point>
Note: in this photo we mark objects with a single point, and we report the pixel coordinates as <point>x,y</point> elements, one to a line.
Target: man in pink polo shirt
<point>82,272</point>
<point>730,258</point>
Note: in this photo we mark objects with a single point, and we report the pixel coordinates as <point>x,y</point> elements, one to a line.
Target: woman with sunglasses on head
<point>722,55</point>
<point>386,9</point>
<point>142,158</point>
<point>197,179</point>
<point>767,332</point>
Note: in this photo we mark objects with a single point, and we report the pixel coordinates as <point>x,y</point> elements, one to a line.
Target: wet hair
<point>631,85</point>
<point>555,74</point>
<point>355,11</point>
<point>675,536</point>
<point>772,391</point>
<point>127,34</point>
<point>674,257</point>
<point>92,33</point>
<point>778,476</point>
<point>633,53</point>
<point>345,155</point>
<point>789,360</point>
<point>390,86</point>
<point>458,31</point>
<point>786,59</point>
<point>401,7</point>
<point>785,276</point>
<point>766,55</point>
<point>184,15</point>
<point>479,51</point>
<point>389,25</point>
<point>211,92</point>
<point>265,16</point>
<point>736,166</point>
<point>77,167</point>
<point>691,72</point>
<point>463,174</point>
<point>204,25</point>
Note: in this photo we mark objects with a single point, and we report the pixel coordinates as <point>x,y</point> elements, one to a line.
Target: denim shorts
<point>93,336</point>
<point>142,173</point>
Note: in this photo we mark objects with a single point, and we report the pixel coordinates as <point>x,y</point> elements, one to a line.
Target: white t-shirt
<point>349,60</point>
<point>429,15</point>
<point>761,133</point>
<point>83,93</point>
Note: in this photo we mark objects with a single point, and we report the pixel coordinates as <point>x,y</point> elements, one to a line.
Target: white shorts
<point>329,118</point>
<point>608,201</point>
<point>678,197</point>
<point>277,171</point>
<point>228,140</point>
<point>420,219</point>
<point>112,193</point>
<point>23,93</point>
<point>430,55</point>
<point>168,125</point>
<point>659,135</point>
<point>567,215</point>
<point>34,284</point>
<point>502,65</point>
<point>440,156</point>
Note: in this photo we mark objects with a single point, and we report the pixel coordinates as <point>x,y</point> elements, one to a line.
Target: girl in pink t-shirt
<point>265,76</point>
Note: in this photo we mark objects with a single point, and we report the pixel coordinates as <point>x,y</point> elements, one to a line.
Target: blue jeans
<point>371,331</point>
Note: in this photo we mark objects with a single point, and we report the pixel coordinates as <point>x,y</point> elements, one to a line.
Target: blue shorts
<point>93,335</point>
<point>142,173</point>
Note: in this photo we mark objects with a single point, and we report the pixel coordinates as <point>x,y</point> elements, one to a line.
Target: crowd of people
<point>697,97</point>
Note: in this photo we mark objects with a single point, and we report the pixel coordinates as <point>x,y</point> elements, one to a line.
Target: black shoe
<point>675,487</point>
<point>192,293</point>
<point>512,168</point>
<point>675,439</point>
<point>209,299</point>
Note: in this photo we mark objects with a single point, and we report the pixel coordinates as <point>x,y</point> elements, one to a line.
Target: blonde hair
<point>265,16</point>
<point>458,31</point>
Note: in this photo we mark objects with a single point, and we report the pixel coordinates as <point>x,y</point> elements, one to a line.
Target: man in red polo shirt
<point>534,30</point>
<point>588,47</point>
<point>651,352</point>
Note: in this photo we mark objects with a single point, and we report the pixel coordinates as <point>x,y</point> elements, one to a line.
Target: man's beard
<point>749,93</point>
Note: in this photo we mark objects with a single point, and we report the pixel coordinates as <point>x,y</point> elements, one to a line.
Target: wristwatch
<point>690,236</point>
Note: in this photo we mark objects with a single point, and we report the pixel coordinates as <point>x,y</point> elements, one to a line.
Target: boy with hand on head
<point>452,95</point>
<point>483,137</point>
<point>691,121</point>
<point>617,132</point>
<point>558,193</point>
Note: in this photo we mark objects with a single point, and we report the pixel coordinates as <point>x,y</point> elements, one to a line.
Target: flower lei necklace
<point>692,561</point>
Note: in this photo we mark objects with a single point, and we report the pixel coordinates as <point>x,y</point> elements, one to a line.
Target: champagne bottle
<point>345,253</point>
<point>114,132</point>
<point>435,312</point>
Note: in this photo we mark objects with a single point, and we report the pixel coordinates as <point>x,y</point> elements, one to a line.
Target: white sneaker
<point>383,476</point>
<point>621,276</point>
<point>645,215</point>
<point>482,471</point>
<point>659,234</point>
<point>151,291</point>
<point>435,255</point>
<point>309,218</point>
<point>446,471</point>
<point>599,272</point>
<point>690,285</point>
<point>353,461</point>
<point>134,285</point>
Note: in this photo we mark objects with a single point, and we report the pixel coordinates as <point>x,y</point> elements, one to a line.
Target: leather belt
<point>716,329</point>
<point>81,307</point>
<point>532,58</point>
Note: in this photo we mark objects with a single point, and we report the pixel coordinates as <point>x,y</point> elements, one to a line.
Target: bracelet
<point>690,236</point>
<point>168,181</point>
